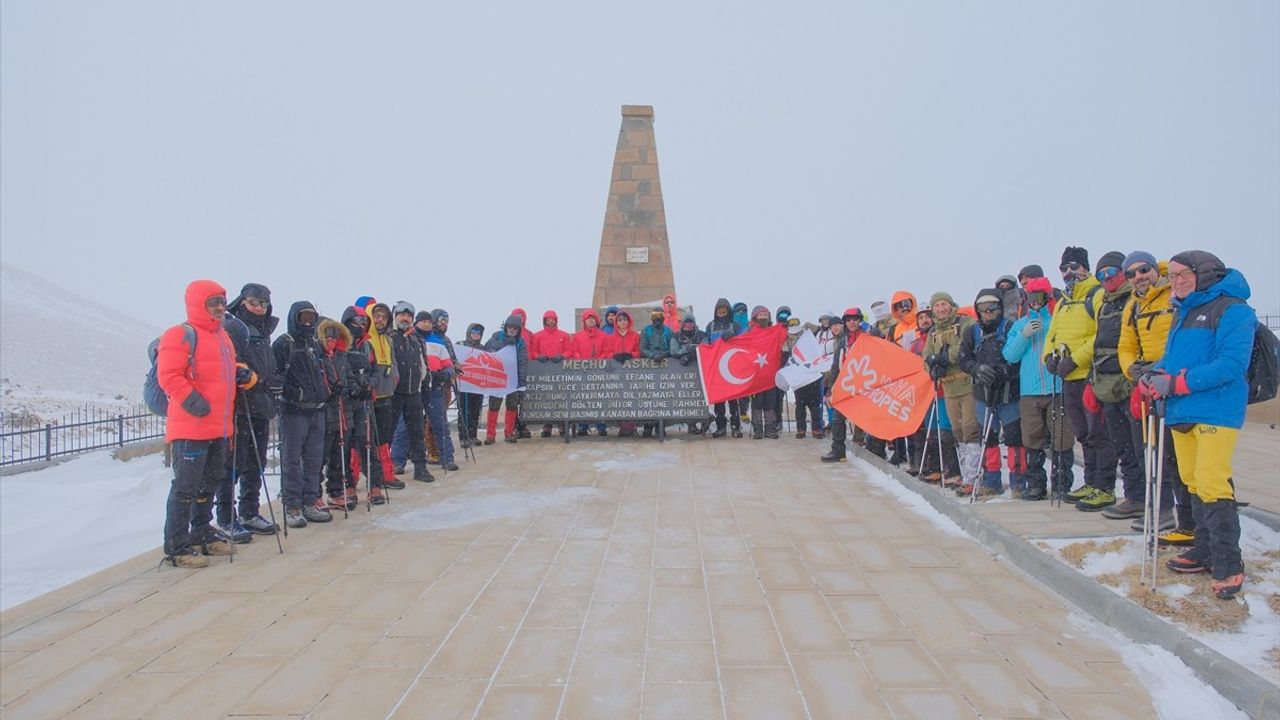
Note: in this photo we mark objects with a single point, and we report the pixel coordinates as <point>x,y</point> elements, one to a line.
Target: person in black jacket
<point>306,390</point>
<point>995,392</point>
<point>360,453</point>
<point>407,405</point>
<point>335,342</point>
<point>722,327</point>
<point>249,322</point>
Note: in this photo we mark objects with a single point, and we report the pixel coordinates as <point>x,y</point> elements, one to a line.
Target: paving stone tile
<point>781,569</point>
<point>763,693</point>
<point>901,665</point>
<point>69,690</point>
<point>735,590</point>
<point>678,577</point>
<point>994,687</point>
<point>477,645</point>
<point>834,685</point>
<point>850,581</point>
<point>678,614</point>
<point>365,692</point>
<point>928,704</point>
<point>746,636</point>
<point>412,652</point>
<point>539,657</point>
<point>867,617</point>
<point>1050,666</point>
<point>557,611</point>
<point>1100,706</point>
<point>514,701</point>
<point>806,623</point>
<point>218,691</point>
<point>441,699</point>
<point>301,682</point>
<point>681,701</point>
<point>615,627</point>
<point>604,685</point>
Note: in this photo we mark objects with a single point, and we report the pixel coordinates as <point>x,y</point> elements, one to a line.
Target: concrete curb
<point>1250,692</point>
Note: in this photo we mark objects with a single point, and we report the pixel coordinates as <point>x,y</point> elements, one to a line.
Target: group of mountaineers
<point>1021,375</point>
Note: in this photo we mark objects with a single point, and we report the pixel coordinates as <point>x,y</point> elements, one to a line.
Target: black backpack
<point>154,395</point>
<point>1263,374</point>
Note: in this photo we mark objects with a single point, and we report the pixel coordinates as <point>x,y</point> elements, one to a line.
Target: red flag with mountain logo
<point>742,365</point>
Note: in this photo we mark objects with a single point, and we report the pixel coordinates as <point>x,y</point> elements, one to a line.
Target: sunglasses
<point>1140,270</point>
<point>217,301</point>
<point>904,305</point>
<point>1106,273</point>
<point>360,321</point>
<point>1038,298</point>
<point>255,302</point>
<point>989,307</point>
<point>1072,266</point>
<point>668,302</point>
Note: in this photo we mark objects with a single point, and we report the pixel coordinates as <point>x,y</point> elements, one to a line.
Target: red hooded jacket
<point>214,374</point>
<point>588,343</point>
<point>671,313</point>
<point>619,343</point>
<point>549,342</point>
<point>524,329</point>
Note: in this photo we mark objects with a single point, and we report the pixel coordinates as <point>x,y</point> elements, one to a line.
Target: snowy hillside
<point>60,351</point>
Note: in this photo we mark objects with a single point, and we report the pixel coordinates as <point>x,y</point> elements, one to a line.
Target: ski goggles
<point>216,301</point>
<point>1140,270</point>
<point>1106,273</point>
<point>903,305</point>
<point>255,302</point>
<point>1038,299</point>
<point>1072,266</point>
<point>988,307</point>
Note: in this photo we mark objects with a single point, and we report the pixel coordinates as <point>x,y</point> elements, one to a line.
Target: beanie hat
<point>1031,271</point>
<point>438,314</point>
<point>941,295</point>
<point>1075,254</point>
<point>364,302</point>
<point>1138,256</point>
<point>1209,269</point>
<point>987,295</point>
<point>422,315</point>
<point>257,292</point>
<point>760,309</point>
<point>1113,259</point>
<point>853,312</point>
<point>403,306</point>
<point>1006,278</point>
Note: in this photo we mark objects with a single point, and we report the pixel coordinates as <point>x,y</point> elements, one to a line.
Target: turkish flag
<point>882,388</point>
<point>742,365</point>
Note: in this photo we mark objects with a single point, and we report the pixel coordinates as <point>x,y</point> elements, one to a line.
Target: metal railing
<point>25,437</point>
<point>1271,321</point>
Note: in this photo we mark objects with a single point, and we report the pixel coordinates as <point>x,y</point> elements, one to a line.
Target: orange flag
<point>882,388</point>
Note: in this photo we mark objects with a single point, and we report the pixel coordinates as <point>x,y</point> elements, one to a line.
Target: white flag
<point>487,373</point>
<point>807,363</point>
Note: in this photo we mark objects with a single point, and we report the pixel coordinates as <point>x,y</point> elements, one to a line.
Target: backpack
<point>1263,374</point>
<point>154,395</point>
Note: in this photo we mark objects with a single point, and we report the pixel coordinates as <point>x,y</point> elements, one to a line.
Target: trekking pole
<point>1055,484</point>
<point>377,440</point>
<point>368,458</point>
<point>342,449</point>
<point>257,459</point>
<point>1146,484</point>
<point>280,460</point>
<point>464,421</point>
<point>928,432</point>
<point>938,411</point>
<point>1157,482</point>
<point>986,430</point>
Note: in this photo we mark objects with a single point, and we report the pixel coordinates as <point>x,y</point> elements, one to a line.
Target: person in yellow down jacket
<point>1068,349</point>
<point>1143,335</point>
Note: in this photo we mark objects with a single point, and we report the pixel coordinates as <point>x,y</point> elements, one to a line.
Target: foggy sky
<point>458,155</point>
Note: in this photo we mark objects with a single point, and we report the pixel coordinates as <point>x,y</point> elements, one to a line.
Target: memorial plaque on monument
<point>609,391</point>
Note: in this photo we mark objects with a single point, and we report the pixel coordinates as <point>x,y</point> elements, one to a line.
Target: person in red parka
<point>589,344</point>
<point>551,344</point>
<point>623,345</point>
<point>671,313</point>
<point>201,385</point>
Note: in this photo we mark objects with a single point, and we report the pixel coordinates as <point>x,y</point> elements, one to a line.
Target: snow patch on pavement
<point>915,502</point>
<point>630,461</point>
<point>1175,689</point>
<point>71,520</point>
<point>474,508</point>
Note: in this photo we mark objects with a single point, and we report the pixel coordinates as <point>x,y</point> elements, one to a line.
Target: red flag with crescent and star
<point>742,365</point>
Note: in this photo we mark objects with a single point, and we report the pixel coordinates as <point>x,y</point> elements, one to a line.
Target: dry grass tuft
<point>1273,657</point>
<point>1274,601</point>
<point>1075,553</point>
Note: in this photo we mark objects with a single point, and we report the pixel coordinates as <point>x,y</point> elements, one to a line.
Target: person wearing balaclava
<point>1143,334</point>
<point>722,327</point>
<point>882,319</point>
<point>684,350</point>
<point>306,390</point>
<point>359,407</point>
<point>1111,391</point>
<point>655,344</point>
<point>1201,382</point>
<point>250,323</point>
<point>1068,353</point>
<point>1010,297</point>
<point>995,392</point>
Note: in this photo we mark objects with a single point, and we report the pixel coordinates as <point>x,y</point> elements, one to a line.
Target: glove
<point>1032,327</point>
<point>986,375</point>
<point>276,387</point>
<point>622,357</point>
<point>245,378</point>
<point>1139,368</point>
<point>686,360</point>
<point>1066,366</point>
<point>557,358</point>
<point>543,358</point>
<point>1160,384</point>
<point>1090,400</point>
<point>196,405</point>
<point>1051,364</point>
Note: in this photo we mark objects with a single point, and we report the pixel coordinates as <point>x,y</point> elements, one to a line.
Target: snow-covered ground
<point>71,520</point>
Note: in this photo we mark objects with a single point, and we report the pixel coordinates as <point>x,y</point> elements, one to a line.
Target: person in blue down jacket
<point>1201,381</point>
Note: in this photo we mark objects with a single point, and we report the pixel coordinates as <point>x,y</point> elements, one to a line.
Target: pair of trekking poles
<point>1153,434</point>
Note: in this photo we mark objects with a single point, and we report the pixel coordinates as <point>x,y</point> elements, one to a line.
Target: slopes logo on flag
<point>487,373</point>
<point>742,365</point>
<point>882,388</point>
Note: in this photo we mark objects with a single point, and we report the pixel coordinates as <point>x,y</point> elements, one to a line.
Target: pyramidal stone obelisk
<point>634,268</point>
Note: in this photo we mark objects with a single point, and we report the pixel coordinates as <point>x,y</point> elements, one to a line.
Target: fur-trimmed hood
<point>322,333</point>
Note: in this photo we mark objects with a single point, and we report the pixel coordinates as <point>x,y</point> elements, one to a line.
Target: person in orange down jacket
<point>589,344</point>
<point>200,383</point>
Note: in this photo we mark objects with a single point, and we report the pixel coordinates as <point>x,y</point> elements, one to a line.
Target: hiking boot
<point>648,432</point>
<point>394,483</point>
<point>986,493</point>
<point>188,560</point>
<point>488,441</point>
<point>932,478</point>
<point>216,547</point>
<point>451,466</point>
<point>604,432</point>
<point>950,482</point>
<point>1096,501</point>
<point>510,438</point>
<point>1226,588</point>
<point>235,533</point>
<point>818,434</point>
<point>376,497</point>
<point>1076,496</point>
<point>1126,508</point>
<point>433,458</point>
<point>719,433</point>
<point>1187,563</point>
<point>1176,537</point>
<point>546,431</point>
<point>398,469</point>
<point>336,502</point>
<point>259,525</point>
<point>422,474</point>
<point>316,513</point>
<point>834,457</point>
<point>353,498</point>
<point>1034,493</point>
<point>964,489</point>
<point>737,432</point>
<point>897,458</point>
<point>294,519</point>
<point>524,434</point>
<point>800,435</point>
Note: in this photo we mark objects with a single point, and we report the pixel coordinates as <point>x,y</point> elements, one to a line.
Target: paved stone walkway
<point>602,579</point>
